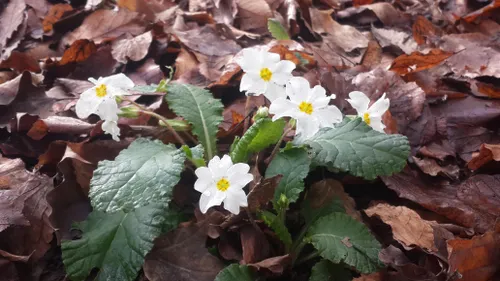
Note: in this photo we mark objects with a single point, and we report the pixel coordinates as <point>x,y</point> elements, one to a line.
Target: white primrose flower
<point>223,181</point>
<point>264,73</point>
<point>308,106</point>
<point>371,115</point>
<point>101,100</point>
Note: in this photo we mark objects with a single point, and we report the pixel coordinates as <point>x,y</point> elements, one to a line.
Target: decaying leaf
<point>55,13</point>
<point>134,49</point>
<point>487,153</point>
<point>417,61</point>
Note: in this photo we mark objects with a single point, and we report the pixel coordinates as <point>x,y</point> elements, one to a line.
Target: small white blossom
<point>223,181</point>
<point>101,100</point>
<point>371,115</point>
<point>308,106</point>
<point>264,73</point>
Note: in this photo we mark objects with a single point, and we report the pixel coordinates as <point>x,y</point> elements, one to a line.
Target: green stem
<point>311,256</point>
<point>278,144</point>
<point>159,117</point>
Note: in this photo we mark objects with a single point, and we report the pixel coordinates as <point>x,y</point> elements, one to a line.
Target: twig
<point>278,144</point>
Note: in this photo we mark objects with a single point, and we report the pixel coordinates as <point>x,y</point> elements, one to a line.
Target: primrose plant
<point>131,195</point>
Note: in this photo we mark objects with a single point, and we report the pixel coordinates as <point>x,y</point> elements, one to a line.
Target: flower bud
<point>129,112</point>
<point>262,112</point>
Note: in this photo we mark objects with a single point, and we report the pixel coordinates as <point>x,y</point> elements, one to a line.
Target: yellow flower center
<point>101,91</point>
<point>266,74</point>
<point>306,107</point>
<point>223,184</point>
<point>366,118</point>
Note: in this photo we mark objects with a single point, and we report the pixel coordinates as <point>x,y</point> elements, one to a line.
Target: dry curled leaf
<point>134,49</point>
<point>423,29</point>
<point>21,62</point>
<point>417,61</point>
<point>487,153</point>
<point>55,13</point>
<point>79,51</point>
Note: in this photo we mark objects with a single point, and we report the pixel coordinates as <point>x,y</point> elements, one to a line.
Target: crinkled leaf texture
<point>235,272</point>
<point>115,243</point>
<point>277,30</point>
<point>356,148</point>
<point>340,238</point>
<point>200,109</point>
<point>260,135</point>
<point>293,164</point>
<point>145,172</point>
<point>325,270</point>
<point>277,226</point>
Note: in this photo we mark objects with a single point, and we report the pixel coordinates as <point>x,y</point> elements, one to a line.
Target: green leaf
<point>145,88</point>
<point>145,172</point>
<point>235,272</point>
<point>277,30</point>
<point>115,243</point>
<point>195,154</point>
<point>324,270</point>
<point>263,133</point>
<point>293,164</point>
<point>199,108</point>
<point>340,238</point>
<point>356,148</point>
<point>277,226</point>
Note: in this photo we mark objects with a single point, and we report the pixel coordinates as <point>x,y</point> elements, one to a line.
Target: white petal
<point>318,97</point>
<point>87,103</point>
<point>238,169</point>
<point>93,81</point>
<point>379,107</point>
<point>203,173</point>
<point>119,80</point>
<point>307,127</point>
<point>284,66</point>
<point>328,116</point>
<point>215,199</point>
<point>376,124</point>
<point>281,78</point>
<point>115,91</point>
<point>269,59</point>
<point>111,127</point>
<point>359,101</point>
<point>255,86</point>
<point>297,89</point>
<point>247,81</point>
<point>283,108</point>
<point>226,163</point>
<point>240,180</point>
<point>108,109</point>
<point>249,60</point>
<point>218,167</point>
<point>274,92</point>
<point>201,185</point>
<point>235,200</point>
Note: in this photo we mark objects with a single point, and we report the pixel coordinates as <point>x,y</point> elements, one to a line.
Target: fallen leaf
<point>58,124</point>
<point>469,203</point>
<point>253,14</point>
<point>410,229</point>
<point>417,61</point>
<point>407,270</point>
<point>254,244</point>
<point>391,37</point>
<point>385,12</point>
<point>79,51</point>
<point>480,89</point>
<point>55,14</point>
<point>431,167</point>
<point>11,18</point>
<point>486,10</point>
<point>475,259</point>
<point>106,24</point>
<point>423,29</point>
<point>262,193</point>
<point>181,255</point>
<point>135,48</point>
<point>275,265</point>
<point>487,153</point>
<point>21,62</point>
<point>25,215</point>
<point>373,54</point>
<point>346,37</point>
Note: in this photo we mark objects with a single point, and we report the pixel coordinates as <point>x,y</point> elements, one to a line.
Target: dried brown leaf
<point>134,49</point>
<point>392,37</point>
<point>55,14</point>
<point>423,29</point>
<point>486,10</point>
<point>385,12</point>
<point>431,167</point>
<point>487,153</point>
<point>476,259</point>
<point>417,61</point>
<point>11,18</point>
<point>21,62</point>
<point>181,255</point>
<point>79,51</point>
<point>253,14</point>
<point>262,193</point>
<point>254,244</point>
<point>275,265</point>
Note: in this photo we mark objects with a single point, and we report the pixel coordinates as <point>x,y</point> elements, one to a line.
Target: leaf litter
<point>438,62</point>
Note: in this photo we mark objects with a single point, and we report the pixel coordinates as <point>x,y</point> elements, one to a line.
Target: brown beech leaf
<point>253,14</point>
<point>486,10</point>
<point>480,89</point>
<point>432,168</point>
<point>469,203</point>
<point>346,37</point>
<point>385,12</point>
<point>371,277</point>
<point>25,215</point>
<point>21,62</point>
<point>476,259</point>
<point>134,49</point>
<point>59,124</point>
<point>55,14</point>
<point>417,61</point>
<point>423,29</point>
<point>79,51</point>
<point>106,24</point>
<point>392,37</point>
<point>410,229</point>
<point>262,193</point>
<point>373,54</point>
<point>275,265</point>
<point>487,153</point>
<point>254,244</point>
<point>181,255</point>
<point>407,271</point>
<point>8,270</point>
<point>11,17</point>
<point>20,95</point>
